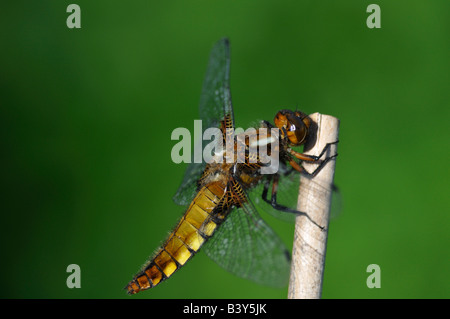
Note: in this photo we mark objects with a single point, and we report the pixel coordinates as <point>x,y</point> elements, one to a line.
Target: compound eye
<point>294,122</point>
<point>296,130</point>
<point>292,128</point>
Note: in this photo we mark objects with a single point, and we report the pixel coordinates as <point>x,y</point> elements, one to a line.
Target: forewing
<point>247,247</point>
<point>215,105</point>
<point>215,101</point>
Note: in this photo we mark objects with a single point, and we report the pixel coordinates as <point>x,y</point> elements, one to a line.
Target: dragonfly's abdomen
<point>195,227</point>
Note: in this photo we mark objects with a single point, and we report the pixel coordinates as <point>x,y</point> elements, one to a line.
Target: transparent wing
<point>247,247</point>
<point>215,101</point>
<point>215,105</point>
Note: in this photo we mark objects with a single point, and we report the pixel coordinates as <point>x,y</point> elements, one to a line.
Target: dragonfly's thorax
<point>249,178</point>
<point>216,172</point>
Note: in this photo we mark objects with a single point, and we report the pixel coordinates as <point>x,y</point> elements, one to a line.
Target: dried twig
<point>308,254</point>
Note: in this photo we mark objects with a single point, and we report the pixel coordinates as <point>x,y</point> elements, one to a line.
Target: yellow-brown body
<point>194,229</point>
<point>218,193</point>
<point>220,188</point>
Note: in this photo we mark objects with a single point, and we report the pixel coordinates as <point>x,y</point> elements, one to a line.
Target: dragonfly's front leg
<point>312,159</point>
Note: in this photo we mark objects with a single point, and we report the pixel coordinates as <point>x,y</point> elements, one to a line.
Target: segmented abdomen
<point>194,229</point>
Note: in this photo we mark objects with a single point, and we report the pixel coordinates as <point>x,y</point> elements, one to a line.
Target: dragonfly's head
<point>293,125</point>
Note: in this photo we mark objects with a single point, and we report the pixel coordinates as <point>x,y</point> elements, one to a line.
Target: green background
<point>87,115</point>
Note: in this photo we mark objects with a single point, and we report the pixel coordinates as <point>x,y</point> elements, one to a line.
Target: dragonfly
<point>223,197</point>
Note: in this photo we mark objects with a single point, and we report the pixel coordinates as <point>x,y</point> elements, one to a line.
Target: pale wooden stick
<point>308,254</point>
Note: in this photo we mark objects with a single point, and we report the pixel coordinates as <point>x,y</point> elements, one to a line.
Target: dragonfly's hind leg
<point>273,200</point>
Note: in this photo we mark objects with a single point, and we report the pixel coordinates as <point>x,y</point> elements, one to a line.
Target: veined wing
<point>215,101</point>
<point>215,105</point>
<point>247,247</point>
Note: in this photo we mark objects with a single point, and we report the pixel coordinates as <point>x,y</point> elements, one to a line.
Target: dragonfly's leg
<point>276,178</point>
<point>266,189</point>
<point>273,196</point>
<point>317,170</point>
<point>296,166</point>
<point>312,158</point>
<point>273,200</point>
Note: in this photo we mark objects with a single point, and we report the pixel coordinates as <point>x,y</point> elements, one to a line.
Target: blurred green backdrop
<point>87,115</point>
